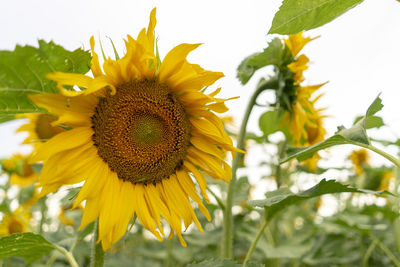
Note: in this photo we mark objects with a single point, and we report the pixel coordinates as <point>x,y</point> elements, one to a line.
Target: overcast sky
<point>357,53</point>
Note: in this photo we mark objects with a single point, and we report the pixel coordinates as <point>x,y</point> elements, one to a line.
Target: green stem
<point>254,244</point>
<point>396,206</point>
<point>228,218</point>
<point>169,259</point>
<point>97,253</point>
<point>380,152</point>
<point>68,255</point>
<point>386,250</point>
<point>368,253</point>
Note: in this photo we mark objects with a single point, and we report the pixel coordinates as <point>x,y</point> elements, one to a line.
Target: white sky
<point>357,53</point>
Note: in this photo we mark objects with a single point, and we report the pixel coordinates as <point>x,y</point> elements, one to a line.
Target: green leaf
<point>372,122</point>
<point>298,15</point>
<point>222,263</point>
<point>29,246</point>
<point>272,55</point>
<point>356,135</point>
<point>282,198</point>
<point>270,122</point>
<point>23,71</point>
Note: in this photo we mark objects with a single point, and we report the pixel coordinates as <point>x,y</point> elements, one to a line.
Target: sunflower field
<point>212,133</point>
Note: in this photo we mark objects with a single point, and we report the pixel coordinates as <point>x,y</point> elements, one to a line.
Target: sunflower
<point>305,121</point>
<point>21,172</point>
<point>360,159</point>
<point>17,222</point>
<point>40,127</point>
<point>140,133</point>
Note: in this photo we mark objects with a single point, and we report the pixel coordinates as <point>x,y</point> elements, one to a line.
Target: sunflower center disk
<point>142,132</point>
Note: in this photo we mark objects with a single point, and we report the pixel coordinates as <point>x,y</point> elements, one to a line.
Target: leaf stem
<point>68,255</point>
<point>386,250</point>
<point>368,253</point>
<point>218,199</point>
<point>97,253</point>
<point>228,218</point>
<point>254,244</point>
<point>393,159</point>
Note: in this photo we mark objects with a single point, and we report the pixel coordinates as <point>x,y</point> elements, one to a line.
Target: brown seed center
<point>142,132</point>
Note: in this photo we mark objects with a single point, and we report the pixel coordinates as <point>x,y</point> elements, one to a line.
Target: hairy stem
<point>97,253</point>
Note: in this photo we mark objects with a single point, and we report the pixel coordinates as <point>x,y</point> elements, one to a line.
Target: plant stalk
<point>227,245</point>
<point>97,253</point>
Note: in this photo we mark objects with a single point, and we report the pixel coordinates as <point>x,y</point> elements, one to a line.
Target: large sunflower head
<point>141,131</point>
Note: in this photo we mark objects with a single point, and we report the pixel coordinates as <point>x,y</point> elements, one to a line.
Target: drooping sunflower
<point>304,119</point>
<point>40,128</point>
<point>141,131</point>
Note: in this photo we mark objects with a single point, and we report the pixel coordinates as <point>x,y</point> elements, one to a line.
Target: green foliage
<point>222,263</point>
<point>29,246</point>
<point>298,15</point>
<point>270,122</point>
<point>355,135</point>
<point>272,55</point>
<point>282,198</point>
<point>22,72</point>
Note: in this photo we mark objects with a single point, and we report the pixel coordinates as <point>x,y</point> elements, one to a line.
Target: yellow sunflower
<point>140,133</point>
<point>17,222</point>
<point>21,172</point>
<point>305,121</point>
<point>360,159</point>
<point>40,128</point>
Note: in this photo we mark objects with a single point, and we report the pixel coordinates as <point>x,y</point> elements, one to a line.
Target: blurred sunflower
<point>16,222</point>
<point>21,172</point>
<point>40,128</point>
<point>360,159</point>
<point>138,131</point>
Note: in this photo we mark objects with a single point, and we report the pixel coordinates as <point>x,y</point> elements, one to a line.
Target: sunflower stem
<point>97,253</point>
<point>227,245</point>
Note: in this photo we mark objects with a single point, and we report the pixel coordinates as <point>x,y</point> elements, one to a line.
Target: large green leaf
<point>298,15</point>
<point>356,135</point>
<point>272,55</point>
<point>29,246</point>
<point>282,198</point>
<point>23,71</point>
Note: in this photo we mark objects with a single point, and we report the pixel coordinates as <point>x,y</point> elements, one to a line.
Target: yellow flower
<point>359,158</point>
<point>387,177</point>
<point>296,42</point>
<point>141,131</point>
<point>21,172</point>
<point>17,222</point>
<point>40,128</point>
<point>63,218</point>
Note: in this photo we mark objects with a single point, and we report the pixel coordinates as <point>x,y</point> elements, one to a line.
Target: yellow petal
<point>174,60</point>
